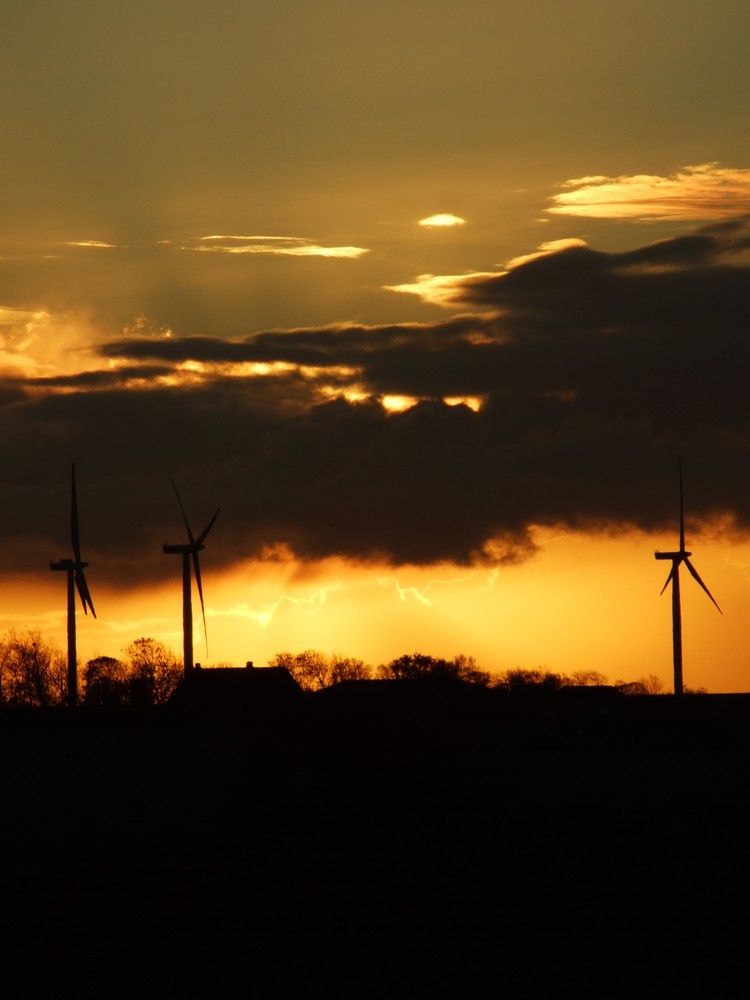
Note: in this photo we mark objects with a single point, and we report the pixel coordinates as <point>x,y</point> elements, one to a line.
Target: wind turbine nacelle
<point>172,550</point>
<point>65,564</point>
<point>672,555</point>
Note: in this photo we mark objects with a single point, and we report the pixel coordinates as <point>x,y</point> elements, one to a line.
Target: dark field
<point>375,844</point>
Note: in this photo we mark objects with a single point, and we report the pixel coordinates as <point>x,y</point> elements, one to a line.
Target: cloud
<point>440,289</point>
<point>443,220</point>
<point>708,191</point>
<point>416,593</point>
<point>545,249</point>
<point>91,244</point>
<point>265,614</point>
<point>589,373</point>
<point>286,246</point>
<point>35,343</point>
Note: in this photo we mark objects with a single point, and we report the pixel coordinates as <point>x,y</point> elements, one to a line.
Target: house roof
<point>235,689</point>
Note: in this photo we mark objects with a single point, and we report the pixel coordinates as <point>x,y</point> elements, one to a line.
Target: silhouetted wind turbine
<point>76,580</point>
<point>674,576</point>
<point>192,548</point>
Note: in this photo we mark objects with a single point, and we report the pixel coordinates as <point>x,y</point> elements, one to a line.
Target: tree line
<point>33,673</point>
<point>314,671</point>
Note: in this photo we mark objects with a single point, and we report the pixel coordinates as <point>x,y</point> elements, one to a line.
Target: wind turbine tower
<point>681,556</point>
<point>76,581</point>
<point>189,550</point>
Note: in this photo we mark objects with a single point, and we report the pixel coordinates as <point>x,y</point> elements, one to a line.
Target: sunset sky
<point>427,297</point>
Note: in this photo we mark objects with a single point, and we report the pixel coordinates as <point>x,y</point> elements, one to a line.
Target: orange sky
<point>580,604</point>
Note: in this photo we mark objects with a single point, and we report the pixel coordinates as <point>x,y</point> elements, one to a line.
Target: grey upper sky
<point>150,125</point>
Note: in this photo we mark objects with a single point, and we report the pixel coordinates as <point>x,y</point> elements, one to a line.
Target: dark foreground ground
<point>356,846</point>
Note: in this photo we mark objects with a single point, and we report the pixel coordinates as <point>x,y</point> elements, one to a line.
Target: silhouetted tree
<point>653,684</point>
<point>310,668</point>
<point>346,668</point>
<point>33,670</point>
<point>585,678</point>
<point>106,681</point>
<point>314,670</point>
<point>467,670</point>
<point>148,676</point>
<point>153,672</point>
<point>420,666</point>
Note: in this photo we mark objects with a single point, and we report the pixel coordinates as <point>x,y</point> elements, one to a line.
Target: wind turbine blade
<point>75,538</point>
<point>669,578</point>
<point>682,507</point>
<point>202,537</point>
<point>84,593</point>
<point>197,568</point>
<point>184,515</point>
<point>696,577</point>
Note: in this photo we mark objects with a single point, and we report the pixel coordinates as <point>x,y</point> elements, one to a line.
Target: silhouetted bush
<point>644,685</point>
<point>517,678</point>
<point>420,666</point>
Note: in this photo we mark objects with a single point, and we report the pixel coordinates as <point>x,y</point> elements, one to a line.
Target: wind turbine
<point>191,548</point>
<point>76,581</point>
<point>674,576</point>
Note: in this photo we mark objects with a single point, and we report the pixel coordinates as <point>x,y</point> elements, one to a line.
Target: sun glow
<point>40,343</point>
<point>241,369</point>
<point>473,402</point>
<point>397,404</point>
<point>352,394</point>
<point>195,372</point>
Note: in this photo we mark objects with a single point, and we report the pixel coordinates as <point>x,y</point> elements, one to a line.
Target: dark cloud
<point>330,346</point>
<point>595,371</point>
<point>100,379</point>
